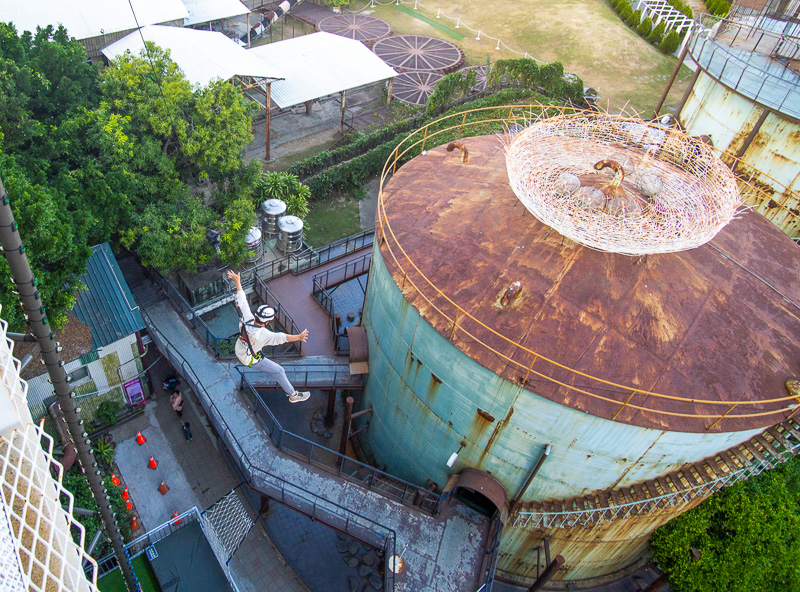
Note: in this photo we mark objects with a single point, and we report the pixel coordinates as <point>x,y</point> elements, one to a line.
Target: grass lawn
<point>586,36</point>
<point>114,582</point>
<point>331,219</point>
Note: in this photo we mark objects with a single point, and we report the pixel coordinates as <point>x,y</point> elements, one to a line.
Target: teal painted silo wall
<point>425,394</point>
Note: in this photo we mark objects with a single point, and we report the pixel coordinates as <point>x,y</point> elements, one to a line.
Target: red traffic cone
<point>115,480</point>
<point>163,489</point>
<point>140,439</point>
<point>129,505</point>
<point>134,523</point>
<point>152,464</point>
<point>178,520</point>
<point>125,494</point>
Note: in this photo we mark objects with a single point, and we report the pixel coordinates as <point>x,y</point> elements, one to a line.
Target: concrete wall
<point>426,395</point>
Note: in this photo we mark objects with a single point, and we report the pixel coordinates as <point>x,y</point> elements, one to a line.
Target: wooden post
<point>248,30</point>
<point>344,103</point>
<point>309,104</point>
<point>269,118</point>
<point>330,415</point>
<point>348,418</point>
<point>389,94</point>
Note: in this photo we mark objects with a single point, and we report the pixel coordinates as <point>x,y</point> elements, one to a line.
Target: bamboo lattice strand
<point>676,194</point>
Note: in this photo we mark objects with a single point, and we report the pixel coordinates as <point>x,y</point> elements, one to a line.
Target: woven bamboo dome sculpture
<point>621,185</point>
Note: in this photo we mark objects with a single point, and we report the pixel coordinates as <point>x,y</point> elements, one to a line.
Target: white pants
<point>276,370</point>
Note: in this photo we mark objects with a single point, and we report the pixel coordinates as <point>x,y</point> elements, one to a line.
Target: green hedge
<point>634,20</point>
<point>523,72</point>
<point>718,8</point>
<point>354,173</point>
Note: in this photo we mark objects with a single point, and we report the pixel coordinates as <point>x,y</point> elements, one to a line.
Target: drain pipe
<point>535,470</point>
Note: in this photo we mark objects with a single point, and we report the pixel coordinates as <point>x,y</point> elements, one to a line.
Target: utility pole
<point>14,252</point>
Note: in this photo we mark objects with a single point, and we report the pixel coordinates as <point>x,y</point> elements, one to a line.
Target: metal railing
<point>296,263</point>
<point>532,364</point>
<point>283,318</point>
<point>139,545</point>
<point>333,277</point>
<point>331,461</point>
<point>657,503</point>
<point>197,324</point>
<point>749,72</point>
<point>305,501</point>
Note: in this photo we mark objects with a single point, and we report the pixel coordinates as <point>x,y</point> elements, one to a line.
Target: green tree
<point>671,42</point>
<point>645,27</point>
<point>657,35</point>
<point>634,20</point>
<point>748,536</point>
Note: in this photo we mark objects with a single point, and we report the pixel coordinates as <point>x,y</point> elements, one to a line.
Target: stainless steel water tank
<point>271,211</point>
<point>253,240</point>
<point>290,234</point>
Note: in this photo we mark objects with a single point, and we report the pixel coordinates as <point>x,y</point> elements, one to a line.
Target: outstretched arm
<point>236,278</point>
<point>241,299</point>
<point>302,336</point>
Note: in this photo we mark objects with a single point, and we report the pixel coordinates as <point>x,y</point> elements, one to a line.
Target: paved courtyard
<point>197,475</point>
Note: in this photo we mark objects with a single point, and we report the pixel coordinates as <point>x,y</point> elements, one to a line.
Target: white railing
<point>36,541</point>
<point>598,515</point>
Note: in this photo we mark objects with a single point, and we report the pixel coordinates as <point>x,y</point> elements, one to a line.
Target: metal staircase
<point>770,448</point>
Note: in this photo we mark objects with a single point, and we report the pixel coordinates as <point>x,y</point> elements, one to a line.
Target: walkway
<point>442,554</point>
<point>197,476</point>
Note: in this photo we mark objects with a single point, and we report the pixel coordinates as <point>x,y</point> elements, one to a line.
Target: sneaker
<point>299,396</point>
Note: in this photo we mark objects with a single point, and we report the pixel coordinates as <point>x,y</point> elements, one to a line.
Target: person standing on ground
<point>254,335</point>
<point>177,402</point>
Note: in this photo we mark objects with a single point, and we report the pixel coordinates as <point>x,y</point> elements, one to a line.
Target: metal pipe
<point>545,454</point>
<point>330,415</point>
<point>348,417</point>
<point>686,94</point>
<point>14,252</point>
<point>21,337</point>
<point>751,136</point>
<point>671,80</point>
<point>548,573</point>
<point>95,539</point>
<point>82,512</point>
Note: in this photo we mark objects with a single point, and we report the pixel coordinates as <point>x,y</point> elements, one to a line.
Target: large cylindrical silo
<point>462,361</point>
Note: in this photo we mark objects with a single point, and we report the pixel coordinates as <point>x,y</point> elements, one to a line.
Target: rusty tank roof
<point>718,322</point>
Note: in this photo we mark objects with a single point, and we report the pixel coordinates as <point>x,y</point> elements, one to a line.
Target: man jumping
<point>254,335</point>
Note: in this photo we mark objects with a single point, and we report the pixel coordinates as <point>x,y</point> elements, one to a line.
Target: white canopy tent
<point>202,55</point>
<point>205,11</point>
<point>85,19</point>
<point>320,64</point>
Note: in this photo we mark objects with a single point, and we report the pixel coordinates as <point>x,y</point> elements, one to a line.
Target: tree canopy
<point>120,155</point>
<point>748,536</point>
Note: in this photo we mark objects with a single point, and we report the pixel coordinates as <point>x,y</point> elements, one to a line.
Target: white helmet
<point>265,314</point>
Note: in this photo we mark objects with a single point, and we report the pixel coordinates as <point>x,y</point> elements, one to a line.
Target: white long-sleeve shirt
<point>259,336</point>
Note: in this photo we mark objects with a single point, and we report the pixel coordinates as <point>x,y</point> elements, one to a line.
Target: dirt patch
<point>75,337</point>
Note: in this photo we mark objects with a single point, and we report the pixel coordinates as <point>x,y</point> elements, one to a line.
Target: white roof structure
<point>202,55</point>
<point>319,64</point>
<point>84,19</point>
<point>203,11</point>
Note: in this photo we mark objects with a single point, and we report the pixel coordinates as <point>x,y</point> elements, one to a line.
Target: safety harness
<point>254,357</point>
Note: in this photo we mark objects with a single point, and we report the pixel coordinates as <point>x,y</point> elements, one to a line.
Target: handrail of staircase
<point>290,494</point>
